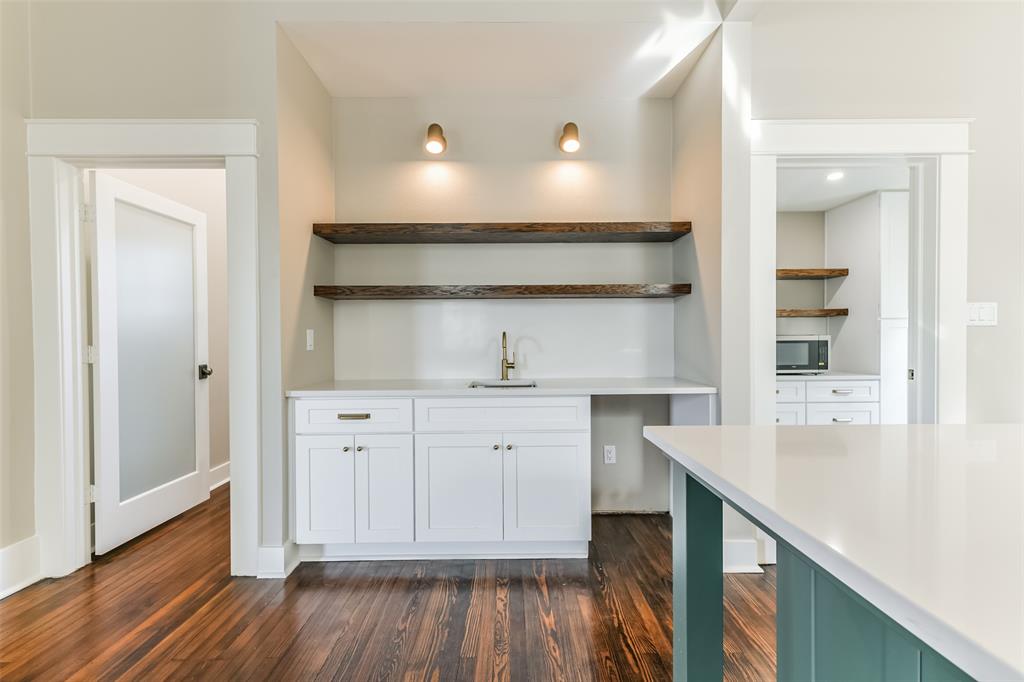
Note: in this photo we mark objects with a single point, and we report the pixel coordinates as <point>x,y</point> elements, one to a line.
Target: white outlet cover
<point>609,454</point>
<point>982,314</point>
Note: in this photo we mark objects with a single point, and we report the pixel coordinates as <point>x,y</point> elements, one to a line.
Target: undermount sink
<point>508,383</point>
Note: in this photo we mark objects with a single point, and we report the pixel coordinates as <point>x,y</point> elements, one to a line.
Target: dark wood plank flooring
<point>164,607</point>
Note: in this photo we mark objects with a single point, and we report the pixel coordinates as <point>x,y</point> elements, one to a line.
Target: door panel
<point>384,488</point>
<point>458,487</point>
<point>149,328</point>
<point>547,486</point>
<point>324,489</point>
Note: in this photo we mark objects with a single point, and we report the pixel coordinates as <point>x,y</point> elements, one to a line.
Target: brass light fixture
<point>435,143</point>
<point>570,140</point>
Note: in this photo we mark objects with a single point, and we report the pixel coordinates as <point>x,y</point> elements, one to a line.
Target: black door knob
<point>204,372</point>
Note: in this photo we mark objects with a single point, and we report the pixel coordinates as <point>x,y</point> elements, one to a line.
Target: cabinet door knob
<point>497,447</point>
<point>509,446</point>
<point>359,448</point>
<point>346,449</point>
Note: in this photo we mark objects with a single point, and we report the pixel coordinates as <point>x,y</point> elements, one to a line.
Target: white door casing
<point>145,472</point>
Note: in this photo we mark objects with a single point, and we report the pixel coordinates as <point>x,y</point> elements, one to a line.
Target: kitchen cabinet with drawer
<point>827,400</point>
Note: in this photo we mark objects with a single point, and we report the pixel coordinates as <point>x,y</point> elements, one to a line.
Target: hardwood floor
<point>163,607</point>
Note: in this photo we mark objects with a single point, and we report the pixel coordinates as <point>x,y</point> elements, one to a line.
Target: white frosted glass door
<point>149,328</point>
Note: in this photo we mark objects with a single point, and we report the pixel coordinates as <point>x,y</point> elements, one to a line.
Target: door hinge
<point>90,355</point>
<point>910,375</point>
<point>92,493</point>
<point>86,213</point>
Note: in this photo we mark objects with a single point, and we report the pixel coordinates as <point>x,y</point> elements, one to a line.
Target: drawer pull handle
<point>359,448</point>
<point>842,391</point>
<point>346,449</point>
<point>353,416</point>
<point>842,420</point>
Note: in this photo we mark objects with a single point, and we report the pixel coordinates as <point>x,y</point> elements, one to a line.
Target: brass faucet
<point>506,364</point>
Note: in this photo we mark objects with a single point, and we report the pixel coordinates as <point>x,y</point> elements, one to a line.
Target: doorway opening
<point>155,284</point>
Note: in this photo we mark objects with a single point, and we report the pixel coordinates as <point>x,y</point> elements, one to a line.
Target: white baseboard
<point>740,556</point>
<point>19,565</point>
<point>219,475</point>
<point>277,562</point>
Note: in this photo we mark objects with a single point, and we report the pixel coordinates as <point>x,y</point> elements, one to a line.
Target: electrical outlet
<point>309,339</point>
<point>609,454</point>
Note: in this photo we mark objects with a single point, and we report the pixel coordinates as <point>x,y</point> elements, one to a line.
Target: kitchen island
<point>901,548</point>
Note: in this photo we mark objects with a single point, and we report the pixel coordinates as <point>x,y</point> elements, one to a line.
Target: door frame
<point>939,149</point>
<point>57,152</point>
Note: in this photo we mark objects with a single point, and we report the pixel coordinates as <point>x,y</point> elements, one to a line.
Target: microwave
<point>802,354</point>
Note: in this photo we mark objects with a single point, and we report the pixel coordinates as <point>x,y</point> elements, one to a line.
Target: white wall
<point>941,59</point>
<point>853,240</point>
<point>203,190</point>
<point>800,243</point>
<point>16,390</point>
<point>503,164</point>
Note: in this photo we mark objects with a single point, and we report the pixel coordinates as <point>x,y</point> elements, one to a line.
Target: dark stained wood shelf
<point>471,291</point>
<point>810,273</point>
<point>497,233</point>
<point>812,312</point>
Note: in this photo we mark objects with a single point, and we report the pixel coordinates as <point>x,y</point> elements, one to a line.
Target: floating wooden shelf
<point>494,233</point>
<point>464,291</point>
<point>812,312</point>
<point>811,273</point>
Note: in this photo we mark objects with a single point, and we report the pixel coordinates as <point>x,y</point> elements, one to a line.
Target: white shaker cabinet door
<point>547,486</point>
<point>324,489</point>
<point>384,488</point>
<point>458,487</point>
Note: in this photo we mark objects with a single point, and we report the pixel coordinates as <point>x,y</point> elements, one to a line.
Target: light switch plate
<point>309,339</point>
<point>982,314</point>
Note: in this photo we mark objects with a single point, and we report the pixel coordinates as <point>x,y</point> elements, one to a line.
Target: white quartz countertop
<point>828,376</point>
<point>460,387</point>
<point>925,522</point>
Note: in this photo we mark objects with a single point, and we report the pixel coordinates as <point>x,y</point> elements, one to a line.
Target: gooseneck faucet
<point>506,364</point>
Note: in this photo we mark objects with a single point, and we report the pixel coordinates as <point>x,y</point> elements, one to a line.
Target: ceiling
<point>806,189</point>
<point>584,58</point>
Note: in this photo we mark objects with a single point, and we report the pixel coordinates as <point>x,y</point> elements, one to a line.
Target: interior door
<point>149,331</point>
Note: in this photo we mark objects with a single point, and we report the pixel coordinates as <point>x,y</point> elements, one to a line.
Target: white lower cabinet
<point>790,414</point>
<point>475,491</point>
<point>818,402</point>
<point>458,487</point>
<point>547,486</point>
<point>384,488</point>
<point>325,487</point>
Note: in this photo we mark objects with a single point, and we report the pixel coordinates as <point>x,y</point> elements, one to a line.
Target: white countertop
<point>828,376</point>
<point>925,522</point>
<point>460,387</point>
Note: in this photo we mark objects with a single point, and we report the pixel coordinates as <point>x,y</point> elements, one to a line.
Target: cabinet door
<point>791,414</point>
<point>324,489</point>
<point>458,487</point>
<point>384,488</point>
<point>547,486</point>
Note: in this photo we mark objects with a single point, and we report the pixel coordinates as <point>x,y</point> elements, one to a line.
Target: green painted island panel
<point>828,633</point>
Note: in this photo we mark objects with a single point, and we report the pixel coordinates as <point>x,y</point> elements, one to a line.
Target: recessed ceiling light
<point>835,176</point>
<point>435,143</point>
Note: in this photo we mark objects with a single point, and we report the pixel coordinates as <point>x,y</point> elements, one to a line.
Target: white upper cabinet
<point>547,486</point>
<point>459,487</point>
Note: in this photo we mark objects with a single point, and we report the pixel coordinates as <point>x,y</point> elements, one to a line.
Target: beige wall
<point>800,243</point>
<point>305,196</point>
<point>204,191</point>
<point>941,59</point>
<point>16,438</point>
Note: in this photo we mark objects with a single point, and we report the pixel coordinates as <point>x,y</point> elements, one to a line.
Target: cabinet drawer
<point>842,391</point>
<point>792,414</point>
<point>502,414</point>
<point>849,413</point>
<point>789,391</point>
<point>356,415</point>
